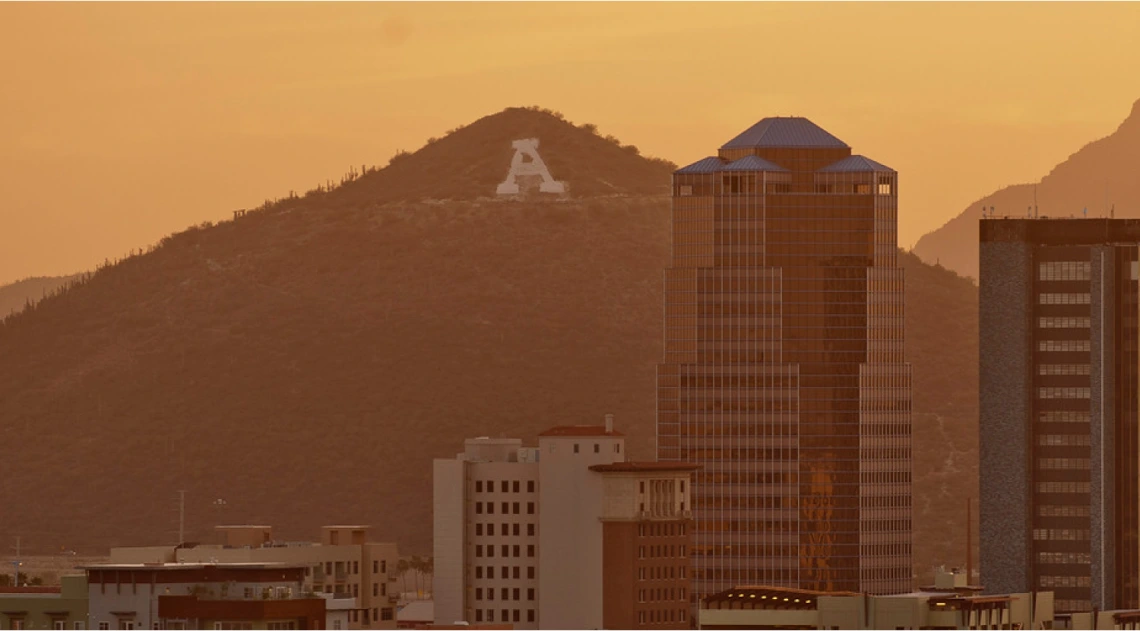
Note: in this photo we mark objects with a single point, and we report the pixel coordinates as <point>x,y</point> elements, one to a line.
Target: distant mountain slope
<point>306,362</point>
<point>1109,166</point>
<point>15,296</point>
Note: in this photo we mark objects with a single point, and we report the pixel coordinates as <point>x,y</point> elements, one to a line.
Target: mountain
<point>17,295</point>
<point>1101,175</point>
<point>306,361</point>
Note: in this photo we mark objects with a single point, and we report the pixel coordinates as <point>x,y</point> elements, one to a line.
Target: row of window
<point>505,486</point>
<point>1062,487</point>
<point>1063,346</point>
<point>598,448</point>
<point>1063,323</point>
<point>1062,369</point>
<point>507,551</point>
<point>1065,558</point>
<point>508,508</point>
<point>1062,299</point>
<point>1063,440</point>
<point>666,529</point>
<point>1063,393</point>
<point>505,593</point>
<point>657,552</point>
<point>660,573</point>
<point>1064,270</point>
<point>1064,581</point>
<point>1063,463</point>
<point>1056,416</point>
<point>660,594</point>
<point>505,530</point>
<point>508,615</point>
<point>507,572</point>
<point>1048,510</point>
<point>1072,605</point>
<point>1060,534</point>
<point>658,616</point>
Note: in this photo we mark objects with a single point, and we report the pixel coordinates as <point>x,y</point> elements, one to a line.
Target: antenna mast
<point>181,517</point>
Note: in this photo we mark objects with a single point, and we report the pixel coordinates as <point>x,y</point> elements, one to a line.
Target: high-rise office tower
<point>1059,441</point>
<point>784,374</point>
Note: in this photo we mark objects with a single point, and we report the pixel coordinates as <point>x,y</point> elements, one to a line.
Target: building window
<point>530,571</point>
<point>479,530</point>
<point>383,589</point>
<point>530,593</point>
<point>530,551</point>
<point>356,567</point>
<point>506,615</point>
<point>490,615</point>
<point>103,626</point>
<point>504,486</point>
<point>490,508</point>
<point>478,571</point>
<point>506,508</point>
<point>516,551</point>
<point>530,615</point>
<point>515,528</point>
<point>336,624</point>
<point>490,571</point>
<point>491,551</point>
<point>491,529</point>
<point>478,486</point>
<point>375,567</point>
<point>58,624</point>
<point>515,594</point>
<point>515,615</point>
<point>516,570</point>
<point>478,508</point>
<point>515,486</point>
<point>478,615</point>
<point>478,593</point>
<point>530,508</point>
<point>506,551</point>
<point>575,447</point>
<point>375,589</point>
<point>530,486</point>
<point>515,508</point>
<point>479,551</point>
<point>384,565</point>
<point>530,530</point>
<point>386,613</point>
<point>597,448</point>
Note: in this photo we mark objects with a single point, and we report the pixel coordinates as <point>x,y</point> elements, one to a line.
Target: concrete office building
<point>1060,485</point>
<point>783,372</point>
<point>554,536</point>
<point>344,564</point>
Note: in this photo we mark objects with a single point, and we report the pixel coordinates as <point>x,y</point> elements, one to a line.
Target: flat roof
<point>635,467</point>
<point>194,566</point>
<point>346,527</point>
<point>580,430</point>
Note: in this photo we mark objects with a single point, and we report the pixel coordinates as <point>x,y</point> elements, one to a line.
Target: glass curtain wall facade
<point>784,375</point>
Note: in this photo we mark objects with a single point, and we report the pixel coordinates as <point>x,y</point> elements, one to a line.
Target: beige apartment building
<point>344,564</point>
<point>563,536</point>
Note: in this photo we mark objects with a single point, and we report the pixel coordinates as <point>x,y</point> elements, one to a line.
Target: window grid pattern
<point>784,375</point>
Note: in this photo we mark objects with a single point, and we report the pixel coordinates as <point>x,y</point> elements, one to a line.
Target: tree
<point>429,571</point>
<point>402,568</point>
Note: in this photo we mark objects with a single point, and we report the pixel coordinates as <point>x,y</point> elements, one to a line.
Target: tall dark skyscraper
<point>784,374</point>
<point>1059,440</point>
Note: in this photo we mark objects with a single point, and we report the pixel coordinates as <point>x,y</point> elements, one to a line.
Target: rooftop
<point>634,467</point>
<point>581,430</point>
<point>785,132</point>
<point>192,566</point>
<point>855,163</point>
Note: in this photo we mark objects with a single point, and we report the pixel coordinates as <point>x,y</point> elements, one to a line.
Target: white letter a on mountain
<point>528,148</point>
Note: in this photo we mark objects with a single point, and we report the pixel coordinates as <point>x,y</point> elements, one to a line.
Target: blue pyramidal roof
<point>704,165</point>
<point>785,132</point>
<point>855,163</point>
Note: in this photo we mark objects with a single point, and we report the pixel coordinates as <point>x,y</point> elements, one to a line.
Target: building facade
<point>1058,404</point>
<point>63,607</point>
<point>563,536</point>
<point>783,373</point>
<point>646,535</point>
<point>344,564</point>
<point>201,596</point>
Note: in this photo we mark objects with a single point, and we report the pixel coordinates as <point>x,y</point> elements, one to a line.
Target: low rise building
<point>63,607</point>
<point>762,607</point>
<point>344,564</point>
<point>201,596</point>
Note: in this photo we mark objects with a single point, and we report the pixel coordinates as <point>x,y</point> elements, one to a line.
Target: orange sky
<point>120,123</point>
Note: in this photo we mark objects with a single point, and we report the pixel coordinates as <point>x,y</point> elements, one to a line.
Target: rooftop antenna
<point>1036,211</point>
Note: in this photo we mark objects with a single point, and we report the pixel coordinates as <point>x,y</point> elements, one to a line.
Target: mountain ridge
<point>289,361</point>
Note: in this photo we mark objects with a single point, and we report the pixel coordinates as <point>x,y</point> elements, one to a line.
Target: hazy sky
<point>120,123</point>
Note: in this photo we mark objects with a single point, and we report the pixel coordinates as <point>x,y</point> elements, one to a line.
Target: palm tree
<point>429,570</point>
<point>417,565</point>
<point>402,568</point>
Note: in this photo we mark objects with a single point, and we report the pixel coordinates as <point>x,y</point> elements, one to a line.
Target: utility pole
<point>16,563</point>
<point>181,517</point>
